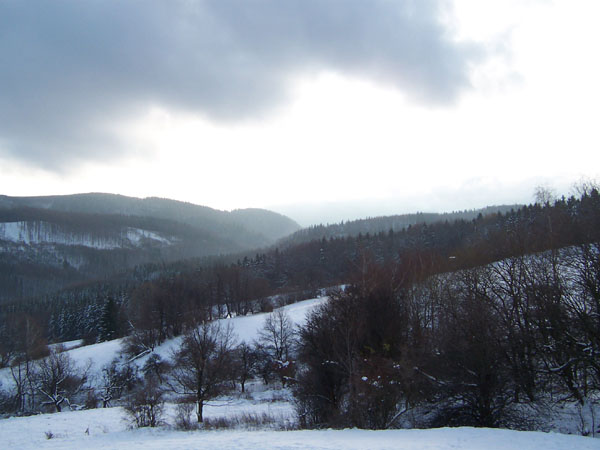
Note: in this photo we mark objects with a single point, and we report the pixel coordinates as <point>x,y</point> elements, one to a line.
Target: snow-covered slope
<point>245,328</point>
<point>35,233</point>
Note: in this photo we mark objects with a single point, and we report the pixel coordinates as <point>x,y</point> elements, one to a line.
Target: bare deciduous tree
<point>246,363</point>
<point>203,364</point>
<point>58,379</point>
<point>114,380</point>
<point>28,344</point>
<point>277,339</point>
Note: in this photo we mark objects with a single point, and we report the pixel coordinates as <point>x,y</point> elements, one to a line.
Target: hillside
<point>49,243</point>
<point>395,223</point>
<point>248,228</point>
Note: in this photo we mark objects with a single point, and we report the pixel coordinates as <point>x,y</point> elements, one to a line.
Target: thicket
<point>470,346</point>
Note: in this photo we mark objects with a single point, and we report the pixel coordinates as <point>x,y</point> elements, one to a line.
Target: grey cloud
<point>68,68</point>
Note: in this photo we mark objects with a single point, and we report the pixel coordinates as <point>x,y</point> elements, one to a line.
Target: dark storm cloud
<point>69,69</point>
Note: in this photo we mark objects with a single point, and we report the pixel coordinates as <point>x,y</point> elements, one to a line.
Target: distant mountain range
<point>51,242</point>
<point>248,228</point>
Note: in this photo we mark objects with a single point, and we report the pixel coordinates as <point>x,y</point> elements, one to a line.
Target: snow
<point>35,233</point>
<point>107,428</point>
<point>99,355</point>
<point>246,327</point>
<point>136,235</point>
<point>69,345</point>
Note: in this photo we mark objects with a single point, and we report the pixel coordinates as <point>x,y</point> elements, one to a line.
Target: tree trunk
<point>199,411</point>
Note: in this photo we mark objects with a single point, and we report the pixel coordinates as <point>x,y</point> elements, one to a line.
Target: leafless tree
<point>277,335</point>
<point>277,339</point>
<point>246,363</point>
<point>58,379</point>
<point>203,364</point>
<point>544,195</point>
<point>28,345</point>
<point>114,380</point>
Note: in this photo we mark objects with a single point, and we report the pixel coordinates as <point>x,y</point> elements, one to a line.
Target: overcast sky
<point>361,107</point>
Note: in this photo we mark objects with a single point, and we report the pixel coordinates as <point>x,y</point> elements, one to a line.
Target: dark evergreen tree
<point>107,328</point>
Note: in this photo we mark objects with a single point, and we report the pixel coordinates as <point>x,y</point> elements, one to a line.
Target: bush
<point>155,366</point>
<point>265,305</point>
<point>91,400</point>
<point>248,421</point>
<point>7,402</point>
<point>183,416</point>
<point>145,408</point>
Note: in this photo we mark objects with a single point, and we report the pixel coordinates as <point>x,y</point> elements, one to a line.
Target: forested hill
<point>374,225</point>
<point>247,228</point>
<point>51,243</point>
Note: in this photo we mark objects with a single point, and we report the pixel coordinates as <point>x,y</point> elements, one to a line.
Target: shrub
<point>248,421</point>
<point>91,400</point>
<point>183,416</point>
<point>145,408</point>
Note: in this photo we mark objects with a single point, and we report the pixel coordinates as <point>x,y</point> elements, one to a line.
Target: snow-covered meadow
<point>106,429</point>
<point>110,427</point>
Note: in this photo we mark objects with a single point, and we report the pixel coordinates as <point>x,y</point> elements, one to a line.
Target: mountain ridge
<point>209,219</point>
<point>52,242</point>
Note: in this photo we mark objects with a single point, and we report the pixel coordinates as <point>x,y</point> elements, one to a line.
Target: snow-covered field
<point>106,429</point>
<point>110,429</point>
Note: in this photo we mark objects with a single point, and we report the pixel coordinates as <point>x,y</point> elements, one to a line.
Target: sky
<point>324,110</point>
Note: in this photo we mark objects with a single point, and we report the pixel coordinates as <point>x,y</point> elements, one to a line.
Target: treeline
<point>375,225</point>
<point>162,299</point>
